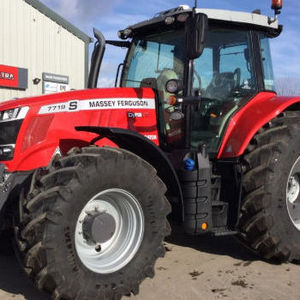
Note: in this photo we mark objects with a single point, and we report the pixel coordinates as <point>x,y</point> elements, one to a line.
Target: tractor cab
<point>206,67</point>
<point>196,96</point>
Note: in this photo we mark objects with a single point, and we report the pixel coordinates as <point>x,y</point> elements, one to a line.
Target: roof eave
<point>59,20</point>
<point>226,16</point>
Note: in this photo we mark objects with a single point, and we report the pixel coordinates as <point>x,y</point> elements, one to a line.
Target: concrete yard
<point>194,268</point>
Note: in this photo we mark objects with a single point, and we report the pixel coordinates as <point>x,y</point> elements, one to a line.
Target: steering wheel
<point>237,77</point>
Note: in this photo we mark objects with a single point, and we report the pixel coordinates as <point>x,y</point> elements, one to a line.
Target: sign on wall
<point>53,83</point>
<point>13,77</point>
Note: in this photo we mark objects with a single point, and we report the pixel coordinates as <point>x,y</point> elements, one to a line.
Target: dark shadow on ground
<point>221,245</point>
<point>12,278</point>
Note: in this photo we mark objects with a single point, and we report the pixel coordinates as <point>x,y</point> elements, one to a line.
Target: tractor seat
<point>220,86</point>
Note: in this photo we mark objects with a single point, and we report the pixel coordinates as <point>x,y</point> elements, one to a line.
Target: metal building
<point>40,52</point>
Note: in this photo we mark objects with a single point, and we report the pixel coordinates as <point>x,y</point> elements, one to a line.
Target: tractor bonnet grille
<point>8,136</point>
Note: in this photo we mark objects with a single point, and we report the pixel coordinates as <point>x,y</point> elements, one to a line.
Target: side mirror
<point>195,35</point>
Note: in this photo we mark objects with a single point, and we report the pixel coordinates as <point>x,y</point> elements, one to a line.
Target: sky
<point>113,15</point>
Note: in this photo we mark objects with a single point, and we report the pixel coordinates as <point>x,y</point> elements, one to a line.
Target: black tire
<point>265,225</point>
<point>50,211</point>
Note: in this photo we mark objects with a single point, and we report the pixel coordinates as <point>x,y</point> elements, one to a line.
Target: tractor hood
<point>106,93</point>
<point>47,124</point>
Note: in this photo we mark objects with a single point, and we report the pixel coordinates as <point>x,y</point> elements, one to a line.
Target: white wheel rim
<point>293,194</point>
<point>116,252</point>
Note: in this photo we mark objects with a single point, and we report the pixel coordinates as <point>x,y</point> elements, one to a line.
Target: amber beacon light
<point>276,5</point>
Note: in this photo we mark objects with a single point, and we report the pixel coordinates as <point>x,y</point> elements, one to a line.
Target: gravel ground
<point>194,268</point>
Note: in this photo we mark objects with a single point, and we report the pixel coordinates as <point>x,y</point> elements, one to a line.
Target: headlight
<point>17,113</point>
<point>10,114</point>
<point>169,20</point>
<point>7,152</point>
<point>172,86</point>
<point>182,17</point>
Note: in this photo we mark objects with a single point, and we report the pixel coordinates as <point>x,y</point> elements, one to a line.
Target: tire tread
<point>255,221</point>
<point>50,184</point>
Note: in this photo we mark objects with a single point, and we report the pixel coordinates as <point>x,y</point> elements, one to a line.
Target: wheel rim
<point>293,194</point>
<point>109,231</point>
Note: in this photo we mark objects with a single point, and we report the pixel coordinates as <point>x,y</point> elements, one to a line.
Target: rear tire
<point>58,208</point>
<point>266,224</point>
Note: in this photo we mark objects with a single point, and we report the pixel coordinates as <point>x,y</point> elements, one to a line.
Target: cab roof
<point>239,17</point>
<point>218,15</point>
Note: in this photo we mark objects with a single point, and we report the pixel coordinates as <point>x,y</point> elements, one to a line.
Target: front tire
<point>270,213</point>
<point>93,224</point>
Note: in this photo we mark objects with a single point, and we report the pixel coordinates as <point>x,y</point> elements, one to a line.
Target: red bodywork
<point>51,120</point>
<point>249,119</point>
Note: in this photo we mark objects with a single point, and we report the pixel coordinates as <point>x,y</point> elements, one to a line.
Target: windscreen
<point>152,55</point>
<point>267,63</point>
<point>152,62</point>
<point>224,77</point>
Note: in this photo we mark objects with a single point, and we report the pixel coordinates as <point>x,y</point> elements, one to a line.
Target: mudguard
<point>250,118</point>
<point>146,149</point>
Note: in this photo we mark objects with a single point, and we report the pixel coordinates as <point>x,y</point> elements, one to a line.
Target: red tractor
<point>89,177</point>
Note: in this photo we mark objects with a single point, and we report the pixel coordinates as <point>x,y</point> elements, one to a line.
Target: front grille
<point>9,131</point>
<point>8,136</point>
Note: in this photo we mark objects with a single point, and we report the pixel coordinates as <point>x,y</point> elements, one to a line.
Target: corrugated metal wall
<point>29,39</point>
